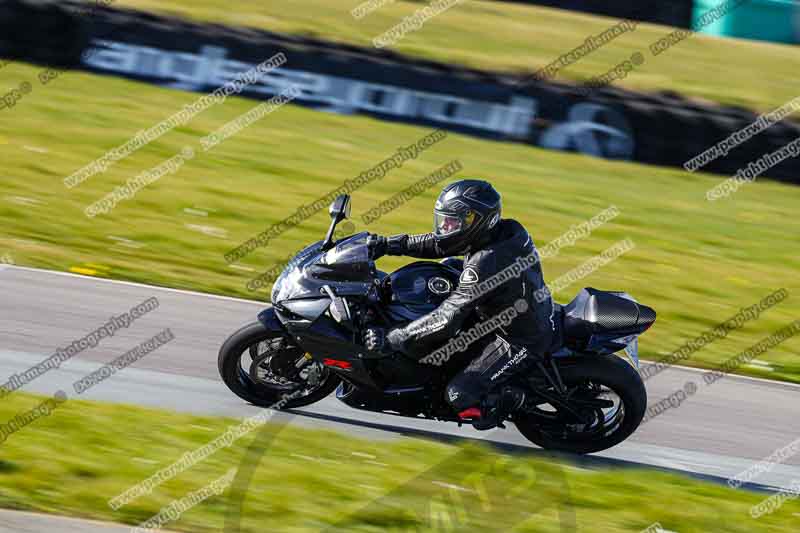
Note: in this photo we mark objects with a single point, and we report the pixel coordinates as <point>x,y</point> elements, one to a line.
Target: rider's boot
<point>494,409</point>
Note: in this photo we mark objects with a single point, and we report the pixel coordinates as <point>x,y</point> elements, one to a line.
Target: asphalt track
<point>717,433</point>
<point>21,522</point>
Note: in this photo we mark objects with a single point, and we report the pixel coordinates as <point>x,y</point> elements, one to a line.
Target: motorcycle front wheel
<point>263,367</point>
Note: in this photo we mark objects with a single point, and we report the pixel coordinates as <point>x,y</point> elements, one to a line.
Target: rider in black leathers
<point>467,220</point>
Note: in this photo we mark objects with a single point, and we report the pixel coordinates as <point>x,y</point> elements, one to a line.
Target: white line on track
<point>136,284</point>
<point>265,304</point>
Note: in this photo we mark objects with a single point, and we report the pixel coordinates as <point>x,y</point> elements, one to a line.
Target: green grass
<point>515,38</point>
<point>695,262</point>
<point>85,453</point>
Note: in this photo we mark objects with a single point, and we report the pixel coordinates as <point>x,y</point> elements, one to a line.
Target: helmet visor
<point>444,224</point>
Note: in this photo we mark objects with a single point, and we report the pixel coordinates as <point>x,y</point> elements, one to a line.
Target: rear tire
<point>611,371</point>
<point>257,393</point>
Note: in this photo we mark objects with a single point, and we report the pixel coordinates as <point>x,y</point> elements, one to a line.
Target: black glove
<point>377,246</point>
<point>379,340</point>
<point>375,339</point>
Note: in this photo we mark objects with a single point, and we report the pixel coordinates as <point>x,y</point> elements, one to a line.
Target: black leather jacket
<point>536,327</point>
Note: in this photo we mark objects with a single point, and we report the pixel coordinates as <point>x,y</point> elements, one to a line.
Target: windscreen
<point>288,279</point>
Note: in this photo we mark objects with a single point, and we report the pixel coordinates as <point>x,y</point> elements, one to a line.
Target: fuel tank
<point>419,288</point>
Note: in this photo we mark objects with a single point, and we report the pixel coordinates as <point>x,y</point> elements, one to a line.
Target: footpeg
<point>470,414</point>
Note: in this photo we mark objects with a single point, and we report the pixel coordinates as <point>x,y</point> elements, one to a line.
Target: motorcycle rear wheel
<point>258,383</point>
<point>608,373</point>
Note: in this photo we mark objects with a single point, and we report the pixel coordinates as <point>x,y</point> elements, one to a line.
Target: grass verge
<point>518,38</point>
<point>84,453</point>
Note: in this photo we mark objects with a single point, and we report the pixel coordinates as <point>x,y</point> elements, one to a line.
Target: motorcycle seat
<point>595,311</point>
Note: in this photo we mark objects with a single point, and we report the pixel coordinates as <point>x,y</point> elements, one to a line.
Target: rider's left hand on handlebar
<point>375,339</point>
<point>380,340</point>
<point>377,246</point>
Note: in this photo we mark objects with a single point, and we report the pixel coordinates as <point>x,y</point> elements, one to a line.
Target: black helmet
<point>465,213</point>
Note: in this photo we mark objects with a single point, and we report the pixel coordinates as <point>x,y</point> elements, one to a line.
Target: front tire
<point>612,373</point>
<point>250,341</point>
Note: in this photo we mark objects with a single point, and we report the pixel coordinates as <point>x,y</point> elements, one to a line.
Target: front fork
<point>270,319</point>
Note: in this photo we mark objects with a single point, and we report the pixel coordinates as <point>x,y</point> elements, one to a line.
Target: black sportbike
<point>587,396</point>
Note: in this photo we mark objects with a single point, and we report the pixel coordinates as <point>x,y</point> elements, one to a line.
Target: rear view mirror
<point>340,208</point>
